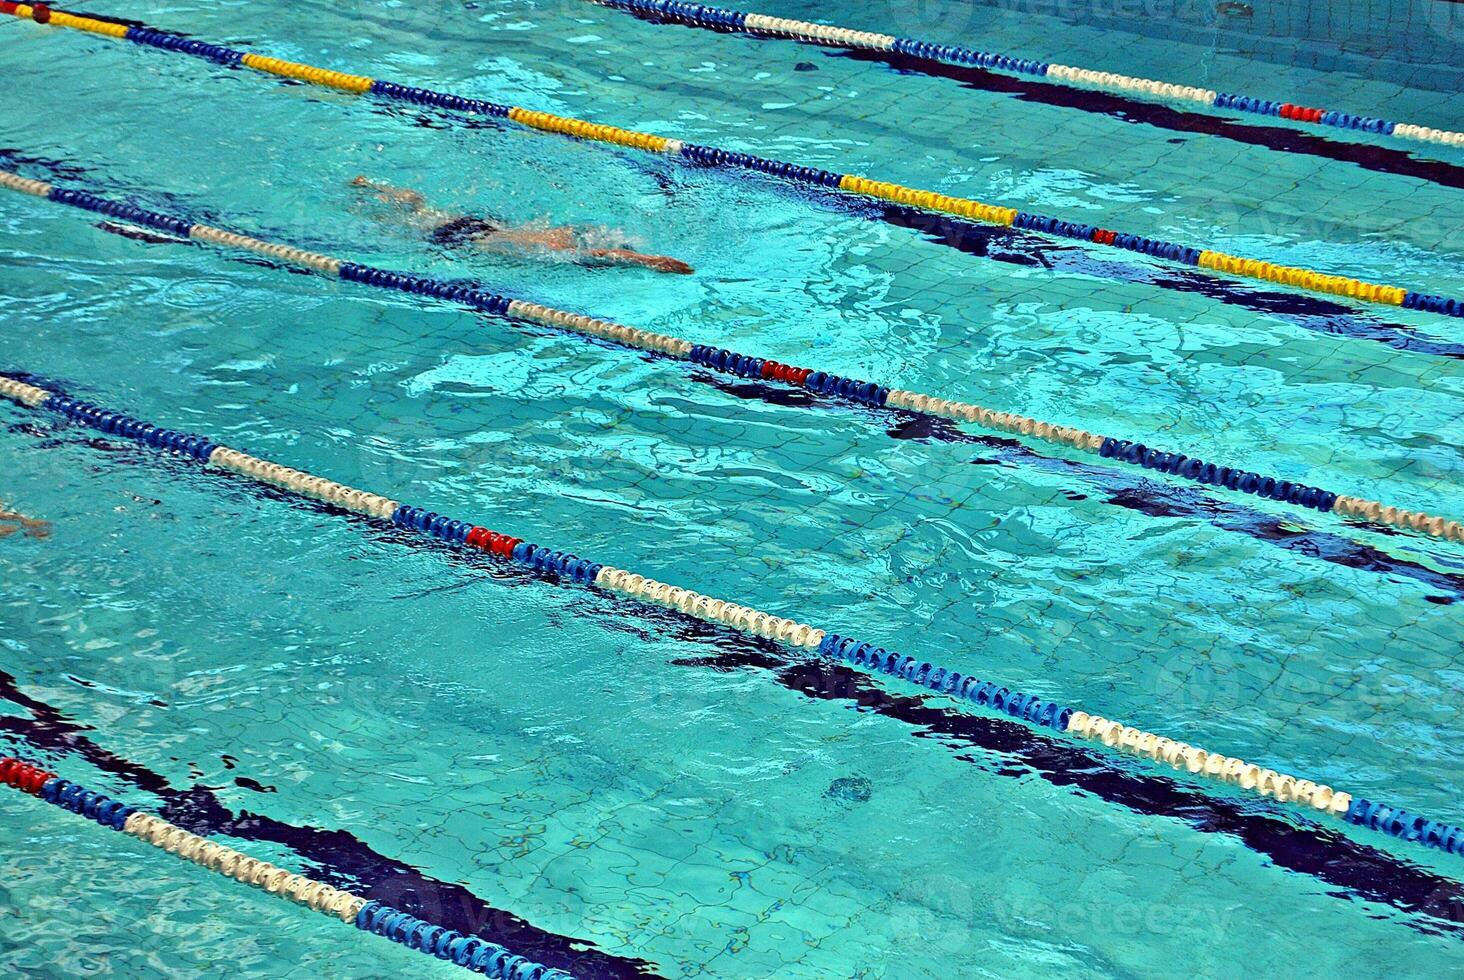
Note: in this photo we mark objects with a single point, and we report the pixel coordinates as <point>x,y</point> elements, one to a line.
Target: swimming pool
<point>620,791</point>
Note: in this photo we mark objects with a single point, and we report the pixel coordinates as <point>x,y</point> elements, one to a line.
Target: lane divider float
<point>478,955</point>
<point>1292,276</point>
<point>802,638</point>
<point>869,394</point>
<point>763,26</point>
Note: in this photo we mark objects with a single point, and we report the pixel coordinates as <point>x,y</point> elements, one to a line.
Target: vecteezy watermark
<point>941,908</point>
<point>1111,915</point>
<point>1195,684</point>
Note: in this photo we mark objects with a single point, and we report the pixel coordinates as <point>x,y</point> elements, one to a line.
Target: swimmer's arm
<point>565,240</point>
<point>624,256</point>
<point>559,239</point>
<point>393,195</point>
<point>424,215</point>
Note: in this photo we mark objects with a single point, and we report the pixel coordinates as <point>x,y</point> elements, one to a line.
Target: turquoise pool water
<point>633,795</point>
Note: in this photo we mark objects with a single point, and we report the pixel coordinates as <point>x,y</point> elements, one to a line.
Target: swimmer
<point>452,230</point>
<point>12,521</point>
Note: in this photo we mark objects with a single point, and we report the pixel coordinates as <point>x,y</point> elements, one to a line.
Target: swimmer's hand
<point>660,263</point>
<point>665,263</point>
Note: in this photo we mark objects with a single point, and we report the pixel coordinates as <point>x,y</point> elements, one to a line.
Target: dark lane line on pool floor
<point>1326,855</point>
<point>1295,844</point>
<point>1133,493</point>
<point>1363,871</point>
<point>344,860</point>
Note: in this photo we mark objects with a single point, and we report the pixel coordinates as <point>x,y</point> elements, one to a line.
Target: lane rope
<point>868,394</point>
<point>764,27</point>
<point>802,638</point>
<point>471,952</point>
<point>852,184</point>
